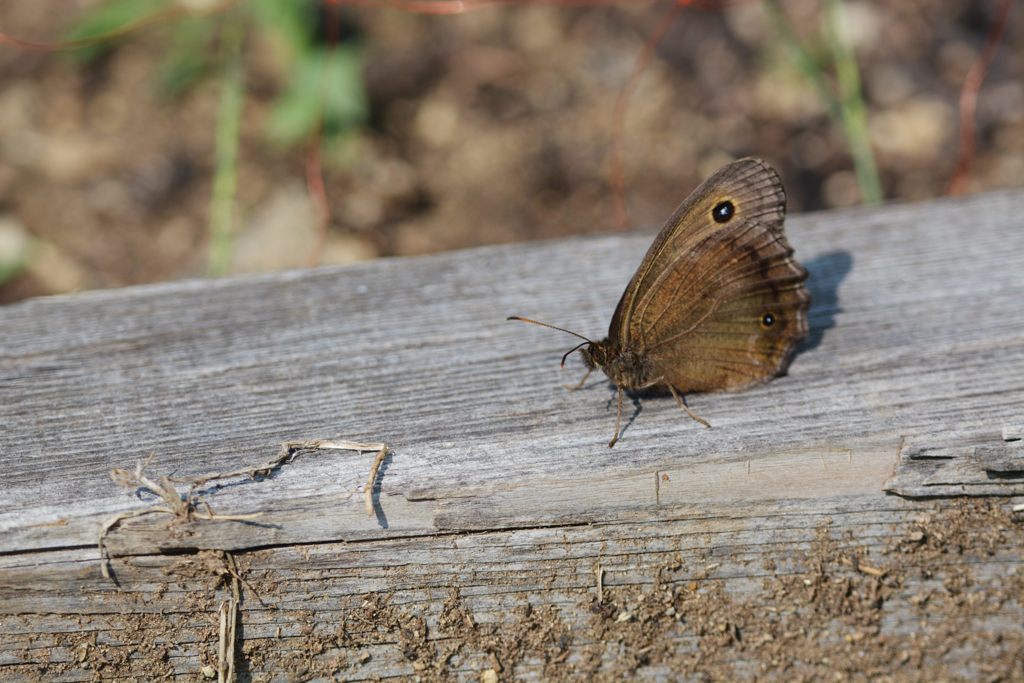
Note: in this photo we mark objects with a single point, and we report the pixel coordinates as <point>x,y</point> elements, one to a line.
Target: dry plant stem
<point>228,638</point>
<point>372,479</point>
<point>863,568</point>
<point>110,524</point>
<point>229,623</point>
<point>360,447</point>
<point>185,508</point>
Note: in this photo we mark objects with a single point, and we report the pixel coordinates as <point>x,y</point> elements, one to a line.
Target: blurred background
<point>188,138</point>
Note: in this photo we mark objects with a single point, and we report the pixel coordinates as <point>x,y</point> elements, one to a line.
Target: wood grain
<point>917,344</point>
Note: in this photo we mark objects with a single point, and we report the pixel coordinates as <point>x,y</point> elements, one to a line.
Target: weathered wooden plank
<point>916,328</point>
<point>875,586</point>
<point>499,482</point>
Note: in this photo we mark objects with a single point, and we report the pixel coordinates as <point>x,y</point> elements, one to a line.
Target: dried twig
<point>361,447</point>
<point>188,507</point>
<point>226,644</point>
<point>183,508</point>
<point>372,479</point>
<point>110,524</point>
<point>222,565</point>
<point>229,624</point>
<point>862,568</point>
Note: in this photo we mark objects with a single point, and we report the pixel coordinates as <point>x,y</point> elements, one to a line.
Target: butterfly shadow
<point>827,272</point>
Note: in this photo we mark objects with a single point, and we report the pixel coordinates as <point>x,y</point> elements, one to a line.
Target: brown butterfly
<point>718,302</point>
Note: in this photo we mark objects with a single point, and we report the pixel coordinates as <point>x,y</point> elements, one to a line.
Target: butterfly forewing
<point>718,302</point>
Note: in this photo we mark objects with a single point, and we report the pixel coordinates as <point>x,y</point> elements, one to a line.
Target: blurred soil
<point>487,127</point>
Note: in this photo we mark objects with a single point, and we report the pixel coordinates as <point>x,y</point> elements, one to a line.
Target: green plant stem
<point>847,106</point>
<point>229,117</point>
<point>804,61</point>
<point>21,259</point>
<point>854,116</point>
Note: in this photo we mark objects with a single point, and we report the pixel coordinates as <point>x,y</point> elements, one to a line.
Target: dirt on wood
<point>825,622</point>
<point>939,600</point>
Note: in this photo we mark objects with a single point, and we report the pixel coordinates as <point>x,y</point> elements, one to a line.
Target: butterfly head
<point>604,355</point>
<point>624,368</point>
<point>595,354</point>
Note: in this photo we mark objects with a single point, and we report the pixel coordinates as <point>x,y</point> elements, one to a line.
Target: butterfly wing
<point>718,301</point>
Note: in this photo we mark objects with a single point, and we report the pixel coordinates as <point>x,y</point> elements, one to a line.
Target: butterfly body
<point>718,302</point>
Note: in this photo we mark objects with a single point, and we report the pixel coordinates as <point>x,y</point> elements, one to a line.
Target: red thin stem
<point>969,99</point>
<point>460,6</point>
<point>616,173</point>
<point>318,195</point>
<point>314,165</point>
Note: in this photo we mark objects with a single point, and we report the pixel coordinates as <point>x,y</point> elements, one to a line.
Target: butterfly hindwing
<point>718,301</point>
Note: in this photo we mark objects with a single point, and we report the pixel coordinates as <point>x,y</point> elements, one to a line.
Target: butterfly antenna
<point>554,327</point>
<point>573,349</point>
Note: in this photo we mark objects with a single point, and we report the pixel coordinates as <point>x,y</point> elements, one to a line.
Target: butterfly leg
<point>618,421</point>
<point>682,404</point>
<point>579,385</point>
